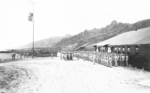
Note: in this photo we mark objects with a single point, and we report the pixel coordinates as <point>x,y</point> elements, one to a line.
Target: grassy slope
<point>49,42</point>
<point>98,35</point>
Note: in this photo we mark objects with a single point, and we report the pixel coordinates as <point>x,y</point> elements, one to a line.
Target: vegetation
<point>89,37</point>
<point>12,77</point>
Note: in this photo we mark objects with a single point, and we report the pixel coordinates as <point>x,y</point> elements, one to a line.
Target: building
<point>5,55</point>
<point>134,43</point>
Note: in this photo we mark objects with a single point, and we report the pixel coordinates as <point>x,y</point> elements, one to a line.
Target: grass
<point>11,77</point>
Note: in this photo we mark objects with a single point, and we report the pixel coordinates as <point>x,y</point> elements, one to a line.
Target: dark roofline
<point>127,45</point>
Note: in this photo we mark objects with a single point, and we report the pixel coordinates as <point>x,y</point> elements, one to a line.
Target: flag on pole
<point>30,17</point>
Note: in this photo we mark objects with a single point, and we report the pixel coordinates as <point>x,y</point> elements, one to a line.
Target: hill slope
<point>88,37</point>
<point>49,42</point>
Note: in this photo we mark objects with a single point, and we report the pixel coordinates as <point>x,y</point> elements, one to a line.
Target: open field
<point>46,75</point>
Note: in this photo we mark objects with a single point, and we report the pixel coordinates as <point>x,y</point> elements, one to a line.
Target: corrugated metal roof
<point>144,41</point>
<point>141,36</point>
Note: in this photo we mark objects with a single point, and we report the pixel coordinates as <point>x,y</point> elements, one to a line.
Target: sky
<point>60,17</point>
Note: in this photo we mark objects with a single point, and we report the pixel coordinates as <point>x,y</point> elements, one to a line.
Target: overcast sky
<point>61,17</point>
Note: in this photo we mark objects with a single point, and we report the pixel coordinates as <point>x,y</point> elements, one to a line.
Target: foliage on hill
<point>45,43</point>
<point>95,35</point>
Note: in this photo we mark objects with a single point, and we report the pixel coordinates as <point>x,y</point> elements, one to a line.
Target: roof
<point>141,36</point>
<point>146,40</point>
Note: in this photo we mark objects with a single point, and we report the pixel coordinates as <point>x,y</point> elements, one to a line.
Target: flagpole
<point>33,32</point>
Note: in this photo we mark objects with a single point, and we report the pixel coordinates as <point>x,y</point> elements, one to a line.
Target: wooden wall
<point>140,58</point>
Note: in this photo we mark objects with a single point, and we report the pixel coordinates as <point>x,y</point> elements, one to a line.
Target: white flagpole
<point>33,31</point>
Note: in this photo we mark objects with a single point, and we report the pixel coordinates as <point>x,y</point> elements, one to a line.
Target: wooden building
<point>134,43</point>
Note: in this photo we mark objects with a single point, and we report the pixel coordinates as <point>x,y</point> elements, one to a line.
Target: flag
<point>30,17</point>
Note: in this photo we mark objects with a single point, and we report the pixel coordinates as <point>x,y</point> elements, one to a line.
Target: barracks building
<point>135,44</point>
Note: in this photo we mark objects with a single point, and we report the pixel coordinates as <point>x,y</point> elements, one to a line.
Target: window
<point>137,50</point>
<point>123,50</point>
<point>128,50</point>
<point>102,49</point>
<point>109,50</point>
<point>119,50</point>
<point>112,49</point>
<point>98,49</point>
<point>115,49</point>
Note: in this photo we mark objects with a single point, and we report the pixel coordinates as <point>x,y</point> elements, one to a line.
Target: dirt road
<point>46,75</point>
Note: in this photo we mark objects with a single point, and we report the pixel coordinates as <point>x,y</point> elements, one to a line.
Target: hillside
<point>49,42</point>
<point>95,35</point>
<point>132,37</point>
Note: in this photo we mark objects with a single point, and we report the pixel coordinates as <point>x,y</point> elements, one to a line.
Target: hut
<point>134,43</point>
<point>5,55</point>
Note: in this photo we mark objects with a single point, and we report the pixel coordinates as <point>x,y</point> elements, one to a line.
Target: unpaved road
<point>46,75</point>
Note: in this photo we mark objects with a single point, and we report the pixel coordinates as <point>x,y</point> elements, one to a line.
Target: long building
<point>134,43</point>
